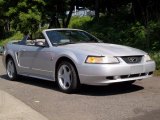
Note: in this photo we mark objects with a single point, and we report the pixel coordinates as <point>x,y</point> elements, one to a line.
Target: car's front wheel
<point>11,69</point>
<point>67,77</point>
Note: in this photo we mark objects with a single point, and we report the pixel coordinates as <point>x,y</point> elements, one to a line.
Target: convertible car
<point>72,57</point>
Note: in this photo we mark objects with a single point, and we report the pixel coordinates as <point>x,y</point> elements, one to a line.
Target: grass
<point>14,36</point>
<point>157,73</point>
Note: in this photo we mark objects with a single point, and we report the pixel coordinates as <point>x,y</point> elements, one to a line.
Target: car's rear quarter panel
<point>11,50</point>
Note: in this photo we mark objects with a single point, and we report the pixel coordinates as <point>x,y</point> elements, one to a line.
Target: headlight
<point>101,60</point>
<point>147,58</point>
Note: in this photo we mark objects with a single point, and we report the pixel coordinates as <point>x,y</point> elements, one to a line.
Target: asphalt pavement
<point>141,101</point>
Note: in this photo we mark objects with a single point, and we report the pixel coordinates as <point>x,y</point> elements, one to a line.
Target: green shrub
<point>80,22</point>
<point>156,58</point>
<point>154,35</point>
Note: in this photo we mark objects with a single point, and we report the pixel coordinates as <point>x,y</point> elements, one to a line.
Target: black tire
<point>62,77</point>
<point>10,66</point>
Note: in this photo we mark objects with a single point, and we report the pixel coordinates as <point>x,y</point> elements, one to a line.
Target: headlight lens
<point>147,58</point>
<point>101,60</point>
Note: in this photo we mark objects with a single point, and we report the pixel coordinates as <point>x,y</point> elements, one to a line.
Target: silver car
<point>72,57</point>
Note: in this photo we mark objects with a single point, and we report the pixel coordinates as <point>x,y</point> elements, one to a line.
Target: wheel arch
<point>64,58</point>
<point>14,72</point>
<point>8,57</point>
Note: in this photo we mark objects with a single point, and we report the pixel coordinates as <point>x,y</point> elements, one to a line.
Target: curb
<point>13,109</point>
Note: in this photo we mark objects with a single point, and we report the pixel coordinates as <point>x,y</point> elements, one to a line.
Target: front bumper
<point>104,74</point>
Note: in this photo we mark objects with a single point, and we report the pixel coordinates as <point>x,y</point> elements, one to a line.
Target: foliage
<point>154,35</point>
<point>117,30</point>
<point>1,19</point>
<point>78,22</point>
<point>26,16</point>
<point>13,36</point>
<point>156,58</point>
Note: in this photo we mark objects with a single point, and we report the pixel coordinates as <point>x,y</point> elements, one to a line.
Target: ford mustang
<point>72,57</point>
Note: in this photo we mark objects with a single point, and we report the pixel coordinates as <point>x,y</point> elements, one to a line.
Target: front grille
<point>132,59</point>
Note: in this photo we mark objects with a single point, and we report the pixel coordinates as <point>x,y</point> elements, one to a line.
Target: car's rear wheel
<point>11,69</point>
<point>67,77</point>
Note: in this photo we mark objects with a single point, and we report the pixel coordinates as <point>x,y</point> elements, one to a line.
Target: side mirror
<point>40,44</point>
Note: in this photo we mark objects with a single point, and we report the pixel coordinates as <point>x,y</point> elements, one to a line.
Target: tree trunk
<point>58,25</point>
<point>96,10</point>
<point>63,22</point>
<point>70,13</point>
<point>51,22</point>
<point>54,23</point>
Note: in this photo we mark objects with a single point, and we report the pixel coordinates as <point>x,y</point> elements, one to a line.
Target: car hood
<point>103,49</point>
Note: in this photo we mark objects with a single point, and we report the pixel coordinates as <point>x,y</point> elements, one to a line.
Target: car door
<point>43,63</point>
<point>25,58</point>
<point>36,60</point>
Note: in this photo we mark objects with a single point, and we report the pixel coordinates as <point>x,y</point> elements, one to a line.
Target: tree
<point>4,20</point>
<point>26,16</point>
<point>55,12</point>
<point>146,10</point>
<point>1,20</point>
<point>97,10</point>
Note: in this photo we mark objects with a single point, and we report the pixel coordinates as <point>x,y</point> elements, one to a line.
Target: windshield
<point>60,37</point>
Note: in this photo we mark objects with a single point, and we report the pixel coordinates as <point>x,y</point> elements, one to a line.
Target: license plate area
<point>137,69</point>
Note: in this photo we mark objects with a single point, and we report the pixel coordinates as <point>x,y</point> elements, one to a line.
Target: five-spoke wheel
<point>67,77</point>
